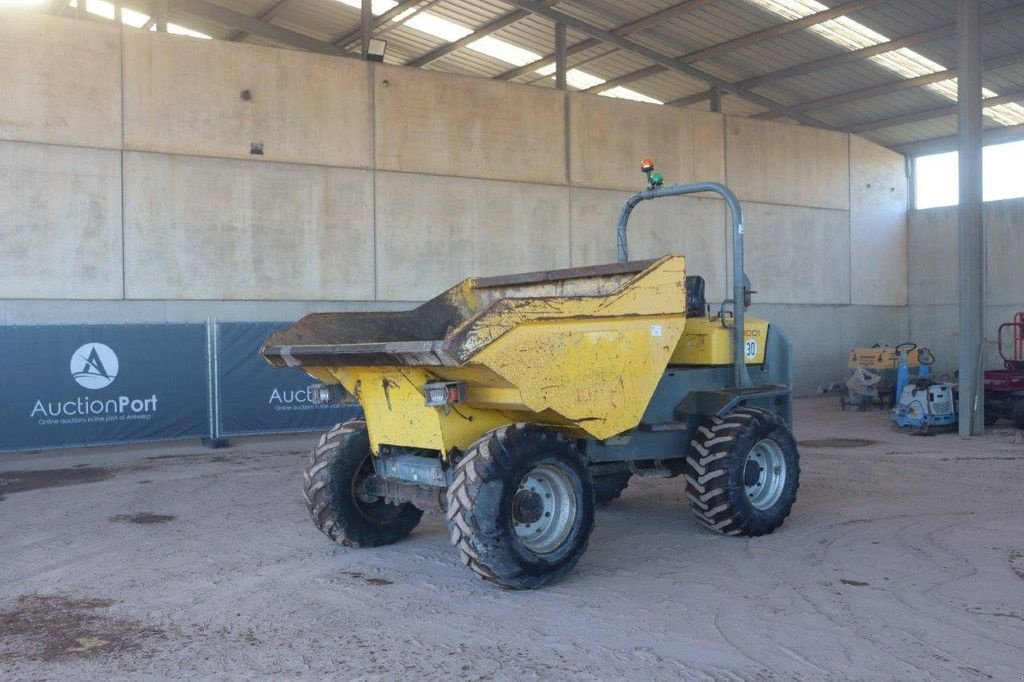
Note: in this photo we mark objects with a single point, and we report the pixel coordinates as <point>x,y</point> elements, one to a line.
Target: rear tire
<point>521,506</point>
<point>743,473</point>
<point>336,466</point>
<point>608,487</point>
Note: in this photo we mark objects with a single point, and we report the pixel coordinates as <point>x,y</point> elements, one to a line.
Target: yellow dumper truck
<point>516,404</point>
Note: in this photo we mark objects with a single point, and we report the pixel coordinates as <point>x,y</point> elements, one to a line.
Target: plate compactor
<point>516,404</point>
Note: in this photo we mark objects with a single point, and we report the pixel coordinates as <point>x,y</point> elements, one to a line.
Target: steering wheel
<point>925,356</point>
<point>906,347</point>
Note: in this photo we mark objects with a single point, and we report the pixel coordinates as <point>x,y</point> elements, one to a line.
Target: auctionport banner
<point>254,397</point>
<point>63,386</point>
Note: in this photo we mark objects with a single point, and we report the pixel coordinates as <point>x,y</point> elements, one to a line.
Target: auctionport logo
<point>94,366</point>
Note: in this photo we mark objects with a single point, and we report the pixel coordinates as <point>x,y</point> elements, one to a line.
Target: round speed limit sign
<point>750,349</point>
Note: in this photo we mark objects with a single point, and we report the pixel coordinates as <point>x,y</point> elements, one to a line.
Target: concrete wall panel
<point>933,272</point>
<point>1004,249</point>
<point>184,96</point>
<point>937,327</point>
<point>60,222</point>
<point>60,81</point>
<point>450,125</point>
<point>433,231</point>
<point>878,224</point>
<point>797,255</point>
<point>693,227</point>
<point>786,164</point>
<point>610,137</point>
<point>822,337</point>
<point>932,265</point>
<point>932,257</point>
<point>198,228</point>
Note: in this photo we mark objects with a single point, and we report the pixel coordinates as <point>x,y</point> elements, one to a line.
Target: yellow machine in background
<point>877,358</point>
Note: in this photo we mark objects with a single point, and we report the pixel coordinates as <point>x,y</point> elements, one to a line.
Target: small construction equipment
<point>1004,388</point>
<point>515,404</point>
<point>924,406</point>
<point>861,390</point>
<point>874,372</point>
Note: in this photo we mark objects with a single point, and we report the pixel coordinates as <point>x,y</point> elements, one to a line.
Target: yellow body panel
<point>396,413</point>
<point>588,361</point>
<point>707,341</point>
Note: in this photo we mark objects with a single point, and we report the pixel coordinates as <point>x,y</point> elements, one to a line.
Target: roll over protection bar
<point>739,279</point>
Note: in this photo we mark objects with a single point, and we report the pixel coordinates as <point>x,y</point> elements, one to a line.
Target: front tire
<point>743,473</point>
<point>332,476</point>
<point>521,506</point>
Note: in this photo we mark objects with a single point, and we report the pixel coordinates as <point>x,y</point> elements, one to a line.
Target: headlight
<point>326,394</point>
<point>440,393</point>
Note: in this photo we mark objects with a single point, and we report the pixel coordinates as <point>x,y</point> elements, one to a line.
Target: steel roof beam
<point>749,39</point>
<point>664,60</point>
<point>695,98</point>
<point>490,27</point>
<point>384,19</point>
<point>781,29</point>
<point>896,86</point>
<point>242,22</point>
<point>1012,12</point>
<point>938,145</point>
<point>928,114</point>
<point>570,51</point>
<point>624,30</point>
<point>624,79</point>
<point>267,16</point>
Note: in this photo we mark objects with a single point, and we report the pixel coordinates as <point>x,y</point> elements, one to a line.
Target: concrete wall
<point>933,275</point>
<point>130,190</point>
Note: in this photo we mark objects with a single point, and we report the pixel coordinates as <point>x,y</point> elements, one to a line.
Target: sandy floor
<point>903,559</point>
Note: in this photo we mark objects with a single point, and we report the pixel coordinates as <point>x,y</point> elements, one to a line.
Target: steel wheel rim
<point>764,474</point>
<point>544,509</point>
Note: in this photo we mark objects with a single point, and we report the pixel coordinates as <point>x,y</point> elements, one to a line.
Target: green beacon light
<point>656,180</point>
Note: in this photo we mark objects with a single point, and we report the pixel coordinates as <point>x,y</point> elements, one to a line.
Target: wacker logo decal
<point>94,366</point>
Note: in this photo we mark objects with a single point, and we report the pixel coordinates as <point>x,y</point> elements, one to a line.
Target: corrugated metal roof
<point>713,23</point>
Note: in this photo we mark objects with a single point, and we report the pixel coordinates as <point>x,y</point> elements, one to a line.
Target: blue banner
<point>65,386</point>
<point>254,397</point>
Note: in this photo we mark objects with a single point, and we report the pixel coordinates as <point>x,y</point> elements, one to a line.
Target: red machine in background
<point>1004,388</point>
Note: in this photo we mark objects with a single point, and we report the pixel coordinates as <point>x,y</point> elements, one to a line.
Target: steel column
<point>365,27</point>
<point>160,15</point>
<point>382,24</point>
<point>560,57</point>
<point>971,236</point>
<point>716,99</point>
